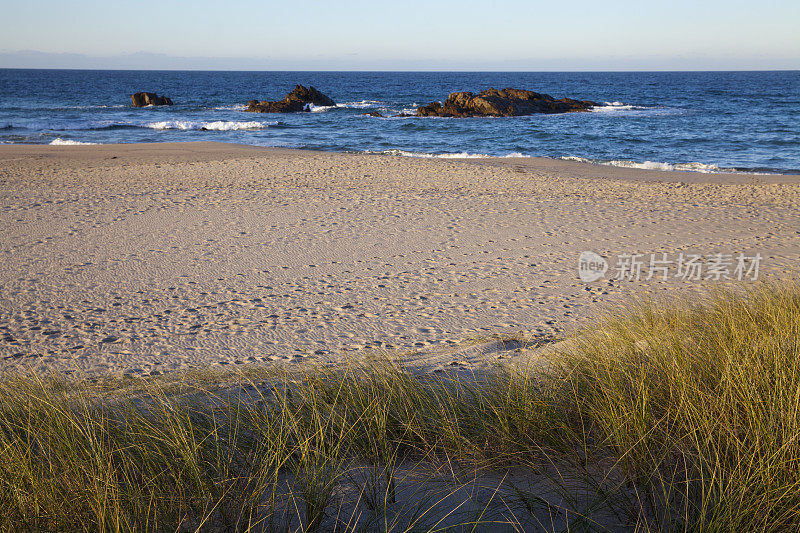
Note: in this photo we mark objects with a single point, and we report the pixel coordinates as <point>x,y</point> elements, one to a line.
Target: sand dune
<point>150,258</point>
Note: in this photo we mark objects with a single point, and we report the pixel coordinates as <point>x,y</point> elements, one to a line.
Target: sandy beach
<point>147,258</point>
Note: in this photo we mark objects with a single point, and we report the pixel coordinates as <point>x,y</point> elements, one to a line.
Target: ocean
<point>703,121</point>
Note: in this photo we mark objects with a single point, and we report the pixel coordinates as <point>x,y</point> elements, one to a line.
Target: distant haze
<point>507,35</point>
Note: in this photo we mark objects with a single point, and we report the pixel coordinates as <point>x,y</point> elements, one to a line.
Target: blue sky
<point>410,35</point>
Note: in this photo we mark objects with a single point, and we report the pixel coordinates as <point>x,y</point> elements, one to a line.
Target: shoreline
<point>147,258</point>
<point>209,150</point>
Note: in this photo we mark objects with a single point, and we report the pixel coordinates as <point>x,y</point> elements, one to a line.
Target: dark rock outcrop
<point>501,103</point>
<point>297,100</point>
<point>372,114</point>
<point>146,99</point>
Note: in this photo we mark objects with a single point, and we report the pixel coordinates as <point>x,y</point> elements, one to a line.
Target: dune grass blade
<point>678,415</point>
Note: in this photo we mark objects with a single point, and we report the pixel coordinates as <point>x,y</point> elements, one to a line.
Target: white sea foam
<point>232,107</point>
<point>363,104</point>
<point>171,125</point>
<point>698,167</point>
<point>406,153</point>
<point>459,155</point>
<point>612,107</point>
<point>68,142</point>
<point>219,125</point>
<point>456,155</point>
<point>652,165</point>
<point>96,106</point>
<point>183,125</point>
<point>319,108</point>
<point>411,111</point>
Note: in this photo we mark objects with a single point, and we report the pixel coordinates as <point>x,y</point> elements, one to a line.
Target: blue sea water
<point>684,120</point>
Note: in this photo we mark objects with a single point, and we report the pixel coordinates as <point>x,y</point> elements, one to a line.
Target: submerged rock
<point>297,100</point>
<point>146,99</point>
<point>501,103</point>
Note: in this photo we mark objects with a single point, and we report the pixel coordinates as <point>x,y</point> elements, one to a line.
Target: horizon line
<point>402,70</point>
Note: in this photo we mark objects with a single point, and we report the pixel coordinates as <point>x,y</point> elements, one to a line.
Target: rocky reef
<point>297,100</point>
<point>501,103</point>
<point>146,99</point>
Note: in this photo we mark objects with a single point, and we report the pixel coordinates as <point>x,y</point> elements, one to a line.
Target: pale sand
<point>150,258</point>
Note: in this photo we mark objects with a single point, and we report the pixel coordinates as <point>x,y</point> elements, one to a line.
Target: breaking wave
<point>219,125</point>
<point>653,165</point>
<point>231,107</point>
<point>612,107</point>
<point>319,108</point>
<point>363,104</point>
<point>68,142</point>
<point>456,155</point>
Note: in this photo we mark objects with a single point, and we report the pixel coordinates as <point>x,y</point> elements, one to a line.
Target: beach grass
<point>679,415</point>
